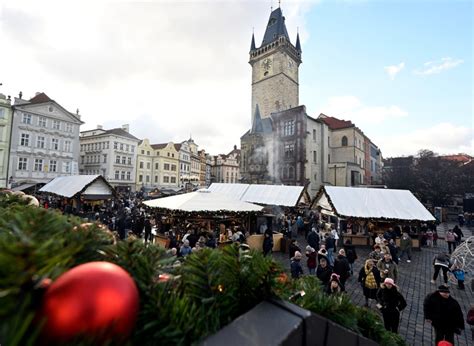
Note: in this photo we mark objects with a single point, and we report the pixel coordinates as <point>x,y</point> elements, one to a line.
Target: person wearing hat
<point>342,268</point>
<point>444,314</point>
<point>334,286</point>
<point>296,269</point>
<point>391,302</point>
<point>311,262</point>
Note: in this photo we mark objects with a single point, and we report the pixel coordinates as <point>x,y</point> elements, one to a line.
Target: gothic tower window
<point>344,141</point>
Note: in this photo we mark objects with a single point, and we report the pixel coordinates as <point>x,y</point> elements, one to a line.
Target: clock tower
<point>275,69</point>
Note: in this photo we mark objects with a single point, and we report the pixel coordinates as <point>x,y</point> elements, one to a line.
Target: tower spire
<point>298,45</point>
<point>252,44</point>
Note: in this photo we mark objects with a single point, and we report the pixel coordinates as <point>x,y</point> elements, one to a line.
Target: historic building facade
<point>157,166</point>
<point>226,167</point>
<point>44,141</point>
<point>6,114</point>
<point>110,153</point>
<point>284,144</point>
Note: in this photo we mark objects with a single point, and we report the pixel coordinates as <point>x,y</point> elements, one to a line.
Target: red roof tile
<point>40,98</point>
<point>336,124</point>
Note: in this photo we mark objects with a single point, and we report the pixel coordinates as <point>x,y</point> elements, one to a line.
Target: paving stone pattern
<point>414,284</point>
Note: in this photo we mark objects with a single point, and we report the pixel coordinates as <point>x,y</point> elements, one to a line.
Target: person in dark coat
<point>441,262</point>
<point>369,278</point>
<point>296,268</point>
<point>330,246</point>
<point>351,254</point>
<point>444,314</point>
<point>313,239</point>
<point>147,226</point>
<point>293,248</point>
<point>267,244</point>
<point>391,303</point>
<point>121,227</point>
<point>311,262</point>
<point>324,271</point>
<point>342,268</point>
<point>459,234</point>
<point>334,286</point>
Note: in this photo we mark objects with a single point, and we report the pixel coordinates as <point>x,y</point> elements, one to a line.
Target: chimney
<point>99,127</point>
<point>126,127</point>
<point>235,147</point>
<point>20,94</point>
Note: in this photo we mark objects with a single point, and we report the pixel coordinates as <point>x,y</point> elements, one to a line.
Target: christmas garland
<point>47,260</point>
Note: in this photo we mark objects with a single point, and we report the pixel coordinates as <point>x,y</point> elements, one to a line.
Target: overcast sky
<point>401,70</point>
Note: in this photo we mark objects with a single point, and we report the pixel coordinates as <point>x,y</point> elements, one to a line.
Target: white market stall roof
<point>370,203</point>
<point>88,185</point>
<point>283,195</point>
<point>203,201</point>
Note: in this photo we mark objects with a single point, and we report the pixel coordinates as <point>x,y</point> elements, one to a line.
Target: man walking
<point>444,314</point>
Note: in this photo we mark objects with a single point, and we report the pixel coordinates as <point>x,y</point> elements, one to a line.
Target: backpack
<point>470,316</point>
<point>450,236</point>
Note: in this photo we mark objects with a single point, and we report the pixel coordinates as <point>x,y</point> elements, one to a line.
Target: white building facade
<point>6,114</point>
<point>44,141</point>
<point>110,153</point>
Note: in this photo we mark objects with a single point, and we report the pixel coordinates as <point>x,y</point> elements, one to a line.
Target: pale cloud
<point>435,67</point>
<point>442,138</point>
<point>168,68</point>
<point>393,70</point>
<point>351,108</point>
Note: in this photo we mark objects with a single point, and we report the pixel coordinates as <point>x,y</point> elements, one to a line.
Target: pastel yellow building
<point>157,165</point>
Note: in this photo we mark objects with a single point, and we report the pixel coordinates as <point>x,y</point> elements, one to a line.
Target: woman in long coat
<point>369,278</point>
<point>391,303</point>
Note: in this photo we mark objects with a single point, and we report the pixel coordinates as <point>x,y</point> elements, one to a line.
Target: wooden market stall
<point>270,196</point>
<point>207,207</point>
<point>78,189</point>
<point>362,212</point>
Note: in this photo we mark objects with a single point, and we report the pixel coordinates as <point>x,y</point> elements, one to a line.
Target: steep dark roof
<point>260,125</point>
<point>252,44</point>
<point>40,98</point>
<point>298,44</point>
<point>159,146</point>
<point>177,147</point>
<point>334,123</point>
<point>275,28</point>
<point>121,132</point>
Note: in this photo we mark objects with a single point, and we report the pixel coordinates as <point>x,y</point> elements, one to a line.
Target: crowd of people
<point>332,262</point>
<point>327,257</point>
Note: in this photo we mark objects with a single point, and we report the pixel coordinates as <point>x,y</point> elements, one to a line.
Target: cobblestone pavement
<point>414,283</point>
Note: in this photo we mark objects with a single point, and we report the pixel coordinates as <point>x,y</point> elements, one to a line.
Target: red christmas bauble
<point>97,300</point>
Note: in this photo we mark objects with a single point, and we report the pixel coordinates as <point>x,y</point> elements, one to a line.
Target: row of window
<point>124,147</point>
<point>122,175</point>
<point>43,122</point>
<point>166,179</point>
<point>40,165</point>
<point>95,146</point>
<point>41,142</point>
<point>93,158</point>
<point>124,160</point>
<point>166,166</point>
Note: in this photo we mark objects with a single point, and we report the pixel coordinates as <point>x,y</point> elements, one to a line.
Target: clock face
<point>267,64</point>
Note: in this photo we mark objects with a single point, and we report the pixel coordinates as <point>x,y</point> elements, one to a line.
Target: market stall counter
<point>255,241</point>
